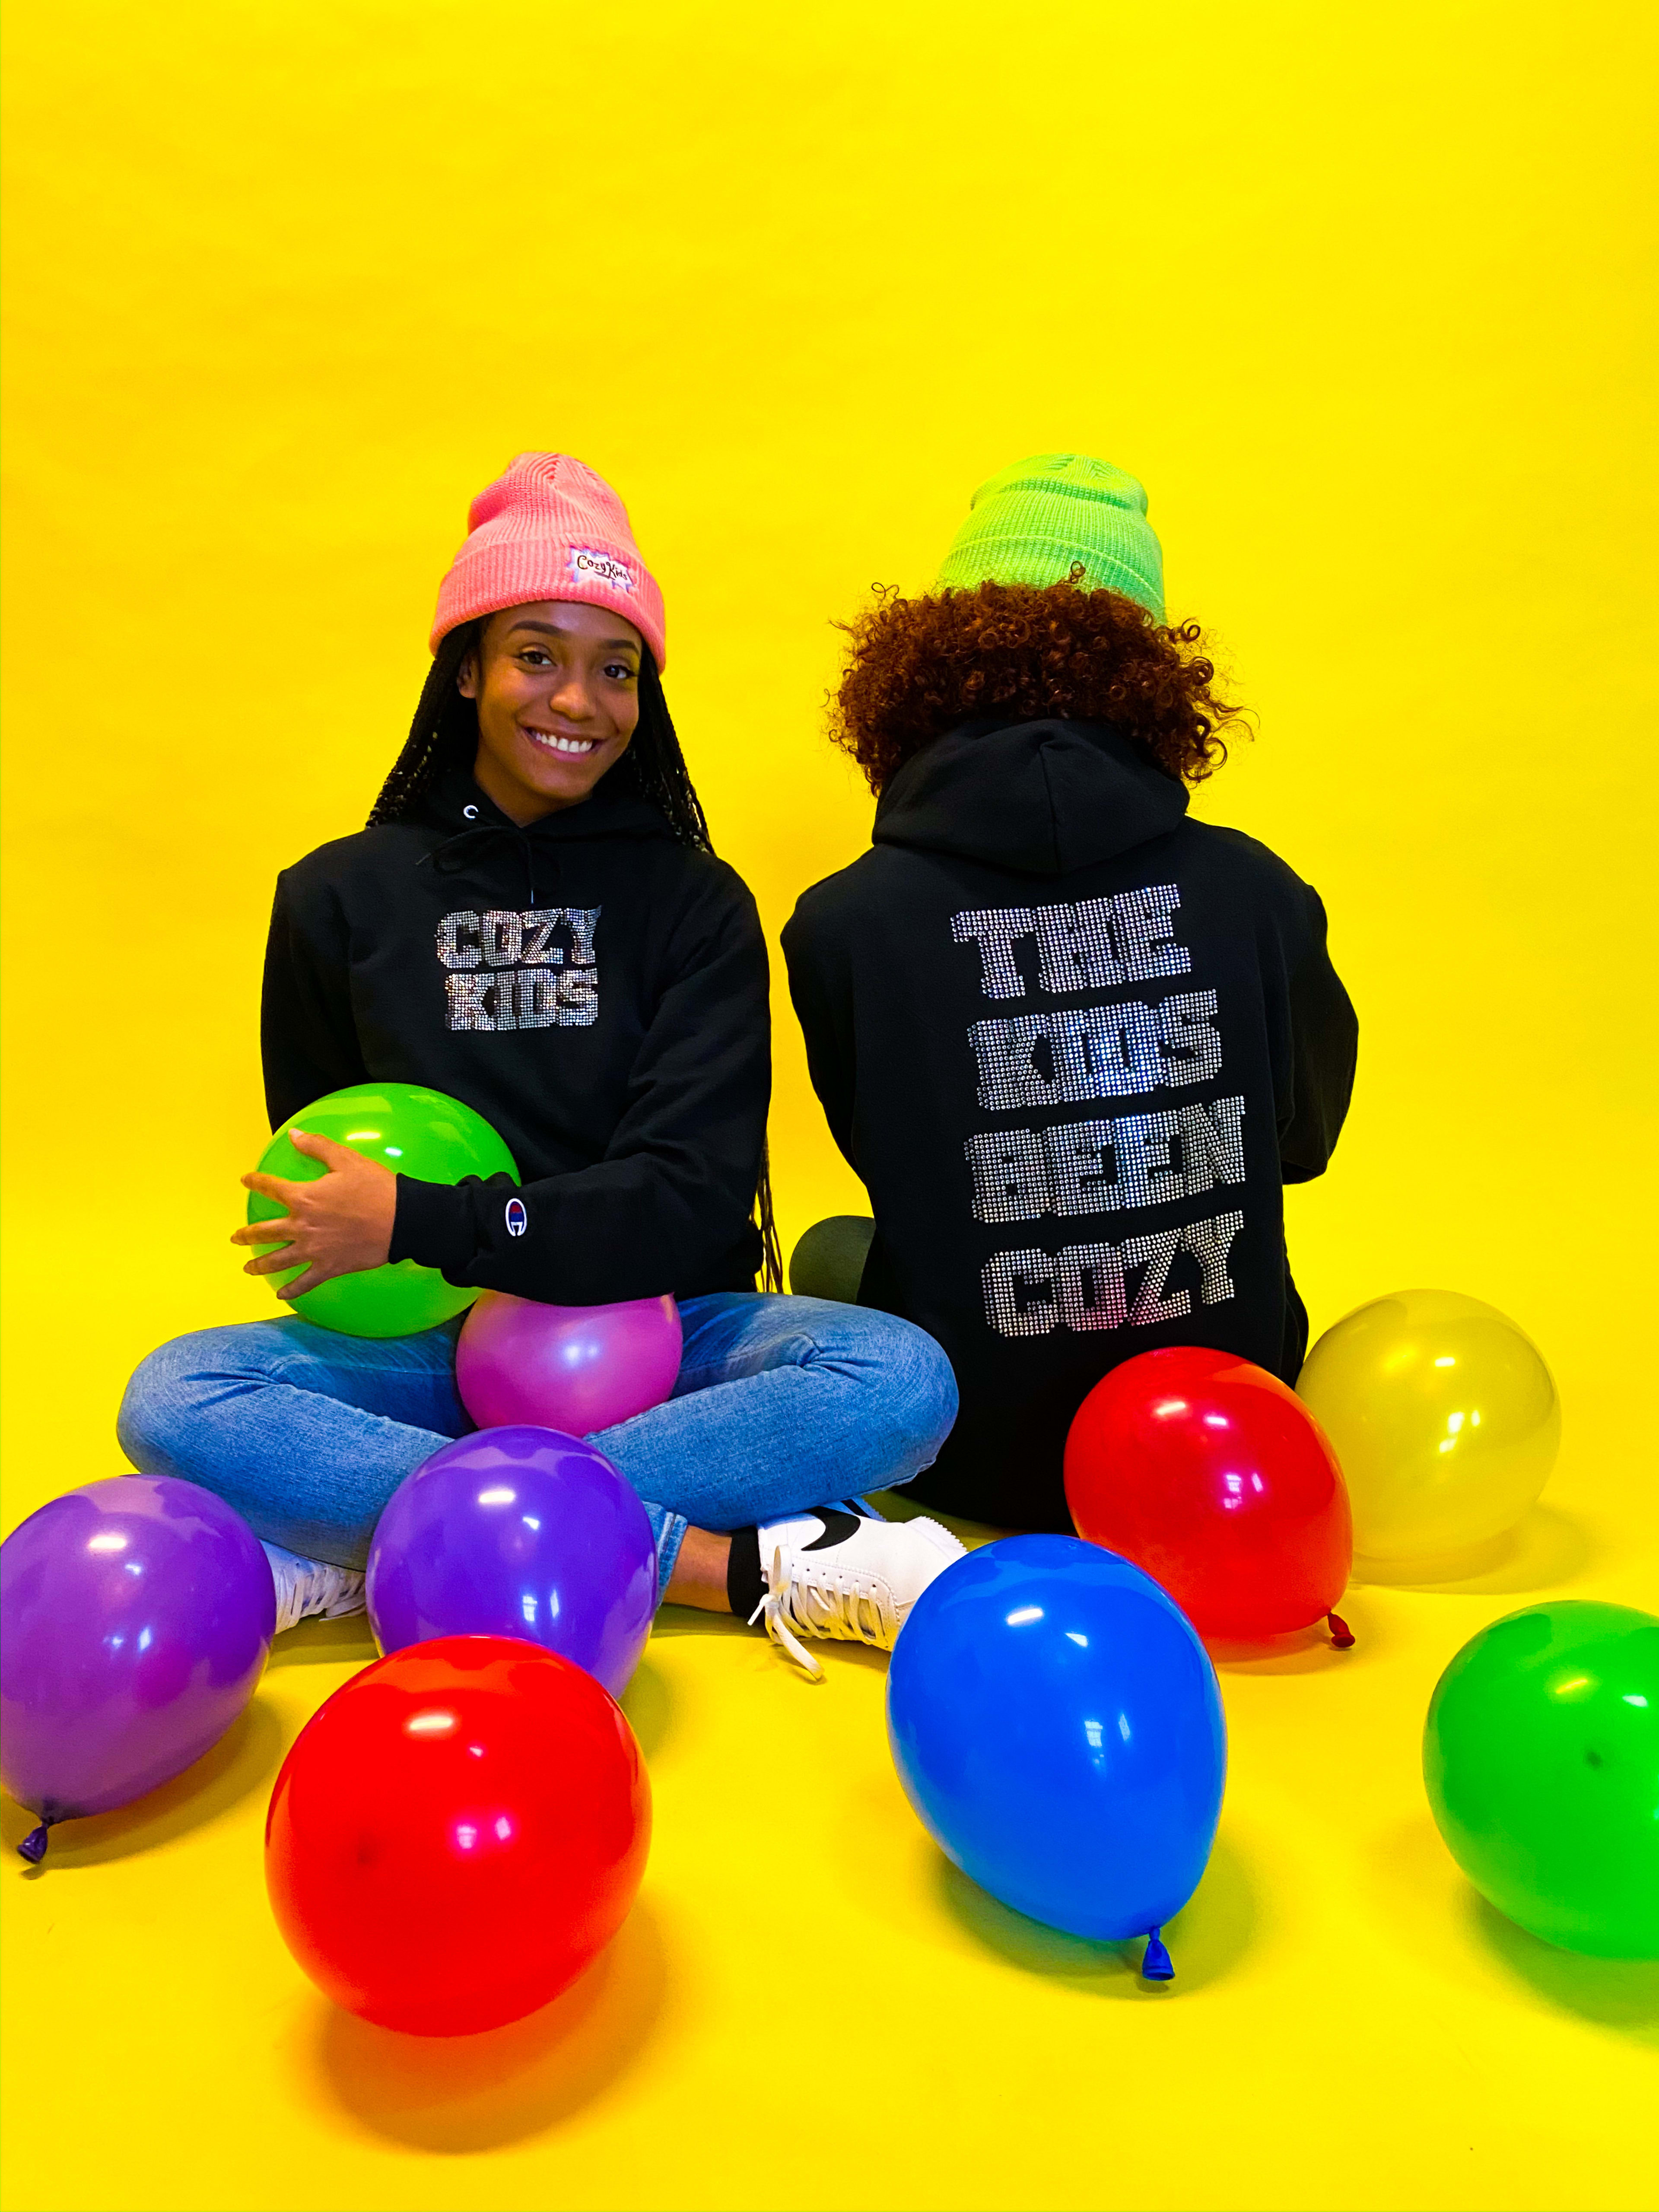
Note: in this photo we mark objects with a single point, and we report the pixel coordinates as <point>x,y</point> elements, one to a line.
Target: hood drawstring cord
<point>446,861</point>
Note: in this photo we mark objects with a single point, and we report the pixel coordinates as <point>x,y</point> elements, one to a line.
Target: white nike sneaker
<point>828,1573</point>
<point>311,1589</point>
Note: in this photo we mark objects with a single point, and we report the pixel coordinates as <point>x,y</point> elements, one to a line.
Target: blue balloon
<point>517,1532</point>
<point>1057,1726</point>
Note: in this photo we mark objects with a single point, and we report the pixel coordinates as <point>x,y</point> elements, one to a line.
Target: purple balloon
<point>518,1532</point>
<point>136,1615</point>
<point>577,1369</point>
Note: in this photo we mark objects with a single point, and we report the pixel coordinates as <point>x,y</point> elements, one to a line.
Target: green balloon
<point>828,1260</point>
<point>413,1131</point>
<point>1541,1757</point>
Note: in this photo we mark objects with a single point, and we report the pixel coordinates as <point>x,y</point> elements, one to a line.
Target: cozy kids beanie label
<point>551,528</point>
<point>1034,522</point>
<point>589,566</point>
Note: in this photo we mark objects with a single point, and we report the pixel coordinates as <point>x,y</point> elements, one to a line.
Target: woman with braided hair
<point>533,921</point>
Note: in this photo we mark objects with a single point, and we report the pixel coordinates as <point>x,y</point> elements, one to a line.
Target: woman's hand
<point>337,1226</point>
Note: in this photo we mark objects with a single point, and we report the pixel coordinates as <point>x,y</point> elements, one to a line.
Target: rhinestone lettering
<point>1064,1056</point>
<point>505,971</point>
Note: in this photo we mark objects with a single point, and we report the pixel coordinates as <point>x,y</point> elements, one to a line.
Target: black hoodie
<point>595,989</point>
<point>1074,1044</point>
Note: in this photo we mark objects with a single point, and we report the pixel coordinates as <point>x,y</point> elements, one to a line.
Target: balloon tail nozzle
<point>34,1846</point>
<point>1341,1634</point>
<point>1155,1960</point>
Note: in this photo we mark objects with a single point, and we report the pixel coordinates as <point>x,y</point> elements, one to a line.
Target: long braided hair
<point>444,734</point>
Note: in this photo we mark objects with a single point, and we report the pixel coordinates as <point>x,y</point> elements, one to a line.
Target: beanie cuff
<point>514,572</point>
<point>1040,563</point>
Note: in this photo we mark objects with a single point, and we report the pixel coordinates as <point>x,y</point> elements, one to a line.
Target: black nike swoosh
<point>837,1528</point>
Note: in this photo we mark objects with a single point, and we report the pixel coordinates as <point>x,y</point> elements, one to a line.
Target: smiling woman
<point>545,605</point>
<point>534,923</point>
<point>555,685</point>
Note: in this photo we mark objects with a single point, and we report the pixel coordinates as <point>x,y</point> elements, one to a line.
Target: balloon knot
<point>1341,1634</point>
<point>34,1846</point>
<point>1155,1961</point>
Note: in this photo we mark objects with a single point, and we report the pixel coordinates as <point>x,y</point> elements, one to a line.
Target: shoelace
<point>826,1601</point>
<point>296,1596</point>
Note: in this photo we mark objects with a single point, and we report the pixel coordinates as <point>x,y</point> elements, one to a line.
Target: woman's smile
<point>555,741</point>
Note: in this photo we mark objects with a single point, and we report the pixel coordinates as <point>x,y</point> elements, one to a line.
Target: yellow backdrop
<point>1363,296</point>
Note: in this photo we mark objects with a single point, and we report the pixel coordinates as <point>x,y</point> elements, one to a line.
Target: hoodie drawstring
<point>447,860</point>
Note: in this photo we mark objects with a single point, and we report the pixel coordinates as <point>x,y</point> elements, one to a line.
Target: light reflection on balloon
<point>577,1574</point>
<point>443,1881</point>
<point>1057,1728</point>
<point>1207,1473</point>
<point>577,1369</point>
<point>134,1618</point>
<point>438,1140</point>
<point>1444,1417</point>
<point>1539,1755</point>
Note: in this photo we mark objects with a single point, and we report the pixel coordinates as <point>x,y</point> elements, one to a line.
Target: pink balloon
<point>575,1367</point>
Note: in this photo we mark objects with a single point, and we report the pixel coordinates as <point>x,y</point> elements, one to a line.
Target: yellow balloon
<point>1443,1415</point>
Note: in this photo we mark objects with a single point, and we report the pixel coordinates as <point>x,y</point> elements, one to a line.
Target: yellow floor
<point>1363,298</point>
<point>810,2008</point>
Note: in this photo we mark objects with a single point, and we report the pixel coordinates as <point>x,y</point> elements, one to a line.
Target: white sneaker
<point>828,1573</point>
<point>311,1589</point>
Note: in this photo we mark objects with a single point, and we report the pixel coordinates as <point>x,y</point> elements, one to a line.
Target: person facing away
<point>534,922</point>
<point>1073,1041</point>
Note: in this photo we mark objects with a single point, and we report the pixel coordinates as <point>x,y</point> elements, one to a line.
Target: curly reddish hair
<point>917,668</point>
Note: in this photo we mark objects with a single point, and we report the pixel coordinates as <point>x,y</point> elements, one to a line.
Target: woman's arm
<point>824,1011</point>
<point>1324,1045</point>
<point>307,1039</point>
<point>308,1043</point>
<point>669,1204</point>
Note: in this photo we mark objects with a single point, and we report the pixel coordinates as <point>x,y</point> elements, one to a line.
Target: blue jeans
<point>781,1404</point>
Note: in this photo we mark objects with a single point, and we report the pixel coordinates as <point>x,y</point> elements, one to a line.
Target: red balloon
<point>1207,1473</point>
<point>456,1833</point>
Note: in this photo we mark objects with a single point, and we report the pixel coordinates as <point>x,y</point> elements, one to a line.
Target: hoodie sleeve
<point>824,1007</point>
<point>669,1204</point>
<point>1324,1042</point>
<point>307,1038</point>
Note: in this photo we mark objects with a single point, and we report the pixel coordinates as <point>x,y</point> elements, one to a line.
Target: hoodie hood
<point>476,839</point>
<point>456,804</point>
<point>1039,799</point>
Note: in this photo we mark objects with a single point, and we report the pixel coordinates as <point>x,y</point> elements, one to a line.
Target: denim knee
<point>152,1427</point>
<point>918,1388</point>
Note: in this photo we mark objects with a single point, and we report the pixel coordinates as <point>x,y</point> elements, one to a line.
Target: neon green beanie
<point>1032,523</point>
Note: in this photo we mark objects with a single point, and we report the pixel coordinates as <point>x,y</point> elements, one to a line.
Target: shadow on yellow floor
<point>1206,1939</point>
<point>1305,1651</point>
<point>691,1620</point>
<point>1617,1993</point>
<point>477,2092</point>
<point>1441,1919</point>
<point>648,1702</point>
<point>1549,1550</point>
<point>244,1761</point>
<point>326,1643</point>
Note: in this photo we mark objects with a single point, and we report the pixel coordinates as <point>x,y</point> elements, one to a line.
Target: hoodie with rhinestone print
<point>595,989</point>
<point>1074,1043</point>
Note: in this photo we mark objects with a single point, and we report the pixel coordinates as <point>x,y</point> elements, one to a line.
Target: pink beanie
<point>550,529</point>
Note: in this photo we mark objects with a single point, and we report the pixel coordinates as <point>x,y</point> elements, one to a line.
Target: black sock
<point>744,1587</point>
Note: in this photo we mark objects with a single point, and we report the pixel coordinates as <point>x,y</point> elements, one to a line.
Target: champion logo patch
<point>517,1219</point>
<point>590,567</point>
